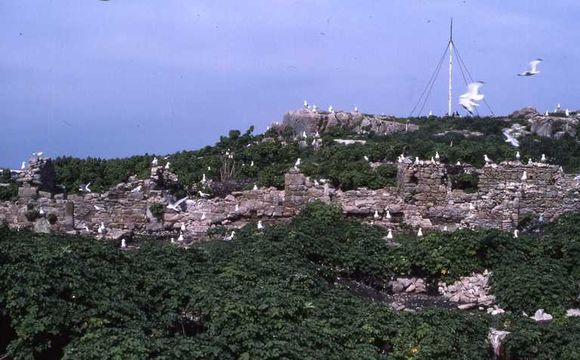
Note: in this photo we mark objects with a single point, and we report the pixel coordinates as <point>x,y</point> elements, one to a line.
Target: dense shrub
<point>157,210</point>
<point>274,294</point>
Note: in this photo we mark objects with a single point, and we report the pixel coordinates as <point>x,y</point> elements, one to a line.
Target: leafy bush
<point>542,284</point>
<point>157,210</point>
<point>52,218</point>
<point>33,215</point>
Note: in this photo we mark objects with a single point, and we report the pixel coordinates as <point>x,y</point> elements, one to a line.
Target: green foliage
<point>33,215</point>
<point>542,283</point>
<point>8,188</point>
<point>456,139</point>
<point>52,218</point>
<point>557,339</point>
<point>465,182</point>
<point>275,294</point>
<point>157,210</point>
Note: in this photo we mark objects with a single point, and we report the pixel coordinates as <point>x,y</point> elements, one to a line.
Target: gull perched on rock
<point>297,163</point>
<point>203,179</point>
<point>388,216</point>
<point>255,187</point>
<point>202,194</point>
<point>101,230</point>
<point>366,158</point>
<point>183,227</point>
<point>486,158</point>
<point>155,162</point>
<point>390,234</point>
<point>533,70</point>
<point>260,225</point>
<point>180,238</point>
<point>524,176</point>
<point>376,215</point>
<point>137,189</point>
<point>510,138</point>
<point>517,155</point>
<point>516,233</point>
<point>468,100</point>
<point>176,206</point>
<point>543,159</point>
<point>230,237</point>
<point>123,243</point>
<point>420,232</point>
<point>305,104</point>
<point>567,112</point>
<point>437,157</point>
<point>23,165</point>
<point>330,109</point>
<point>167,165</point>
<point>37,154</point>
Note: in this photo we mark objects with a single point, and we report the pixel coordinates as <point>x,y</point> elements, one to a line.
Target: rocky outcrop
<point>408,285</point>
<point>310,122</point>
<point>469,291</point>
<point>552,125</point>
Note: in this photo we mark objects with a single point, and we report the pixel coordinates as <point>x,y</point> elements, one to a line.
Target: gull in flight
<point>366,158</point>
<point>176,206</point>
<point>468,100</point>
<point>533,70</point>
<point>37,154</point>
<point>510,138</point>
<point>305,104</point>
<point>85,188</point>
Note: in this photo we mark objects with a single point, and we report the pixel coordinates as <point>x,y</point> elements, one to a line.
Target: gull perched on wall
<point>533,70</point>
<point>468,100</point>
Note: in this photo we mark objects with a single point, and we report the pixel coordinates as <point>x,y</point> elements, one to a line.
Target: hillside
<point>353,252</point>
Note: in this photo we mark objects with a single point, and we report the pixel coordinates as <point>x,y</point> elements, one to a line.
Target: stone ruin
<point>424,197</point>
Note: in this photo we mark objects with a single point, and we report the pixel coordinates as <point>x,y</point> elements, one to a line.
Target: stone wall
<point>423,198</point>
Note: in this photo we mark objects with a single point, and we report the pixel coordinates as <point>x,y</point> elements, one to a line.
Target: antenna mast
<point>450,69</point>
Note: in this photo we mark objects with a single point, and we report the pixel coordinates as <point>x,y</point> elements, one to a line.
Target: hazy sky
<point>123,77</point>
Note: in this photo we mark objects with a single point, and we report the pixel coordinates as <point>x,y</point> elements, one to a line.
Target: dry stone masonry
<point>424,197</point>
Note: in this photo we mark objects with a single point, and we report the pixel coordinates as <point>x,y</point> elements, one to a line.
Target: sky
<point>125,77</point>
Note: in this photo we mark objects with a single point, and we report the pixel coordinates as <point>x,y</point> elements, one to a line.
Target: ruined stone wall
<point>423,198</point>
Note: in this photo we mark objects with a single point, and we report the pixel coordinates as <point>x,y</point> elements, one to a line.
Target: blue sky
<point>124,77</point>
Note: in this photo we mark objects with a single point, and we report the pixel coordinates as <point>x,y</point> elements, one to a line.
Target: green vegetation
<point>157,210</point>
<point>456,139</point>
<point>275,294</point>
<point>8,188</point>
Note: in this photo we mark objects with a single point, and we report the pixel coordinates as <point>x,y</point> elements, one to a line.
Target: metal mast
<point>450,69</point>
